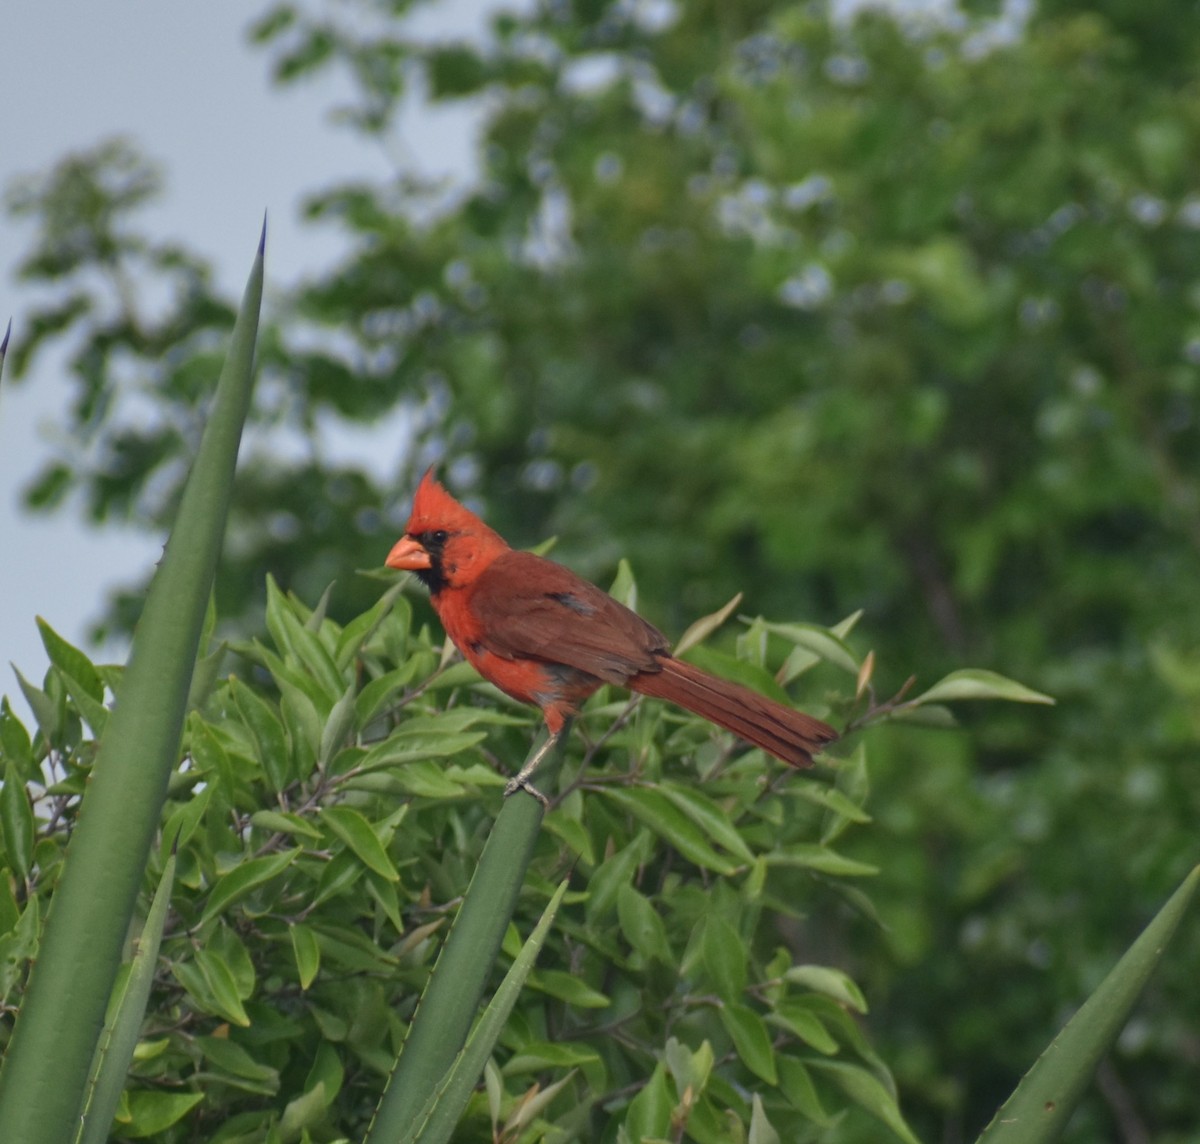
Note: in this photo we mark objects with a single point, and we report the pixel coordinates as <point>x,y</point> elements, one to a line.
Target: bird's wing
<point>531,608</point>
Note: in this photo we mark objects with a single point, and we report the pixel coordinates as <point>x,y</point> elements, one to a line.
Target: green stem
<point>451,998</point>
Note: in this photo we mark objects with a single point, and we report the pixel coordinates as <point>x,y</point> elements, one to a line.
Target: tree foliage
<point>886,314</point>
<point>326,816</point>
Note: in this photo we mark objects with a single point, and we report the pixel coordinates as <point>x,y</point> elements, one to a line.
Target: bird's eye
<point>438,536</point>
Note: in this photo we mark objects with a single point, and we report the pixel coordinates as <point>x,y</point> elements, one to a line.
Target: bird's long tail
<point>781,731</point>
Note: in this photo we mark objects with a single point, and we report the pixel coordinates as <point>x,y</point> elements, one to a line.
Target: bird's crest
<point>435,508</point>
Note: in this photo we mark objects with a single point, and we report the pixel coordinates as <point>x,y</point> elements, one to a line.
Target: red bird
<point>546,637</point>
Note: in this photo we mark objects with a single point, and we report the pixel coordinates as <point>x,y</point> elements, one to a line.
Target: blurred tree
<point>896,313</point>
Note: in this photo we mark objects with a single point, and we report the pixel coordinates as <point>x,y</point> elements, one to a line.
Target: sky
<point>182,83</point>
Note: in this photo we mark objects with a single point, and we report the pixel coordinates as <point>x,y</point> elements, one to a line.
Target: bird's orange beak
<point>408,555</point>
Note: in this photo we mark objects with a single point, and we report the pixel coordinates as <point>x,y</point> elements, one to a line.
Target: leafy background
<point>897,314</point>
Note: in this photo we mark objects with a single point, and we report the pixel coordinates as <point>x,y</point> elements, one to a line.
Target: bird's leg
<point>520,781</point>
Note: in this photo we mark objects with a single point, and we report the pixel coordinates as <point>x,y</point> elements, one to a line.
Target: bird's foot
<point>520,782</point>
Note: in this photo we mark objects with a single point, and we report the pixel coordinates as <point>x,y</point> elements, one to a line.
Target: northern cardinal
<point>546,637</point>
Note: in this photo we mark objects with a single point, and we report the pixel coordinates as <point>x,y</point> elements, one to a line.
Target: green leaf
<point>288,670</point>
<point>16,750</point>
<point>797,1085</point>
<point>831,799</point>
<point>658,812</point>
<point>281,822</point>
<point>222,985</point>
<point>10,912</point>
<point>613,873</point>
<point>649,1113</point>
<point>19,947</point>
<point>300,645</point>
<point>1038,1111</point>
<point>45,710</point>
<point>151,1112</point>
<point>210,756</point>
<point>847,1028</point>
<point>831,982</point>
<point>573,833</point>
<point>257,1127</point>
<point>307,953</point>
<point>315,621</point>
<point>338,875</point>
<point>799,1018</point>
<point>457,70</point>
<point>689,1069</point>
<point>975,683</point>
<point>400,749</point>
<point>244,878</point>
<point>452,720</point>
<point>304,728</point>
<point>304,1111</point>
<point>237,1066</point>
<point>347,949</point>
<point>424,780</point>
<point>355,831</point>
<point>642,926</point>
<point>535,1102</point>
<point>341,722</point>
<point>386,898</point>
<point>702,628</point>
<point>50,488</point>
<point>537,1056</point>
<point>868,1092</point>
<point>750,1037</point>
<point>624,586</point>
<point>225,942</point>
<point>183,822</point>
<point>93,712</point>
<point>326,1071</point>
<point>569,988</point>
<point>821,859</point>
<point>724,954</point>
<point>16,819</point>
<point>266,731</point>
<point>381,693</point>
<point>761,1130</point>
<point>928,715</point>
<point>714,820</point>
<point>70,660</point>
<point>821,642</point>
<point>360,629</point>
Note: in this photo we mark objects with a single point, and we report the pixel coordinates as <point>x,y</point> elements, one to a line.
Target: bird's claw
<point>519,782</point>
